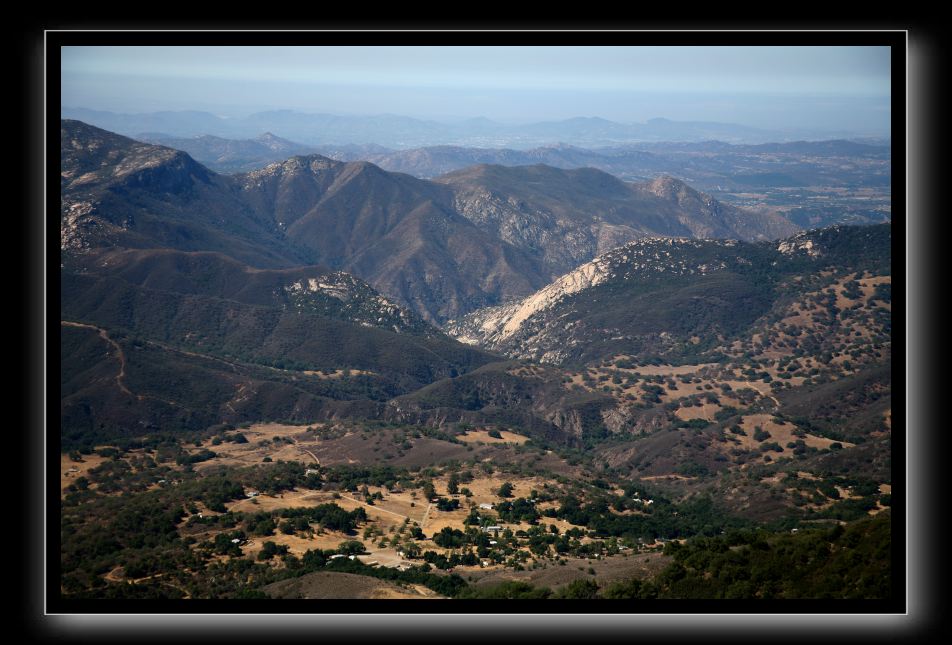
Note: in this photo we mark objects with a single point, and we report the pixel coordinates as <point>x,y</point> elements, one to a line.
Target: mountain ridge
<point>472,238</point>
<point>551,324</point>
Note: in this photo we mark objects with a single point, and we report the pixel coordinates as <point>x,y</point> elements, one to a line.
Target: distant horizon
<point>842,88</point>
<point>446,119</point>
<point>760,135</point>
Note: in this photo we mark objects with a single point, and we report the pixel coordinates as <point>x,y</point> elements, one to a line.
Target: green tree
<point>351,547</point>
<point>580,589</point>
<point>453,485</point>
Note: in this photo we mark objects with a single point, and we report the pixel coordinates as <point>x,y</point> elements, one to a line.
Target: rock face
<point>801,243</point>
<point>567,217</point>
<point>532,327</point>
<point>355,300</point>
<point>117,192</point>
<point>492,326</point>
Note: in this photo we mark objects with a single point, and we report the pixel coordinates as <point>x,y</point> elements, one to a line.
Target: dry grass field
<point>477,436</point>
<point>780,431</point>
<point>71,470</point>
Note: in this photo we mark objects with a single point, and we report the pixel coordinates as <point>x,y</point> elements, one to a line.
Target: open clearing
<point>659,370</point>
<point>71,470</point>
<point>781,432</point>
<point>390,517</point>
<point>474,436</point>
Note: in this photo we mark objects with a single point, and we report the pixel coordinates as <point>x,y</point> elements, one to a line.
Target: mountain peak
<point>273,141</point>
<point>667,186</point>
<point>298,164</point>
<point>92,158</point>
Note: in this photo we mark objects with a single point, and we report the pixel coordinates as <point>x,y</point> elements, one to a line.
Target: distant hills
<point>812,183</point>
<point>231,155</point>
<point>401,132</point>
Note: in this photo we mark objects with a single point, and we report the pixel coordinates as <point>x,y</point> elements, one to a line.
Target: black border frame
<point>895,38</point>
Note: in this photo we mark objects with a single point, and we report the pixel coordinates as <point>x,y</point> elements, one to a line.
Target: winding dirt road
<point>121,355</point>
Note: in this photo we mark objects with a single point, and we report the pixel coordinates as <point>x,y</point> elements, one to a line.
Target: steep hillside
<point>657,296</point>
<point>399,233</point>
<point>566,217</point>
<point>117,192</point>
<point>305,289</point>
<point>170,339</point>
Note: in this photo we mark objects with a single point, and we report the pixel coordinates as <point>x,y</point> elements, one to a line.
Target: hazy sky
<point>771,87</point>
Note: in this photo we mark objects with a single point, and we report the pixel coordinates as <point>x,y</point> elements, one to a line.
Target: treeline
<point>851,562</point>
<point>660,519</point>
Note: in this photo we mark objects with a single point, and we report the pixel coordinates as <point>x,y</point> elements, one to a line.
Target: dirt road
<point>122,357</point>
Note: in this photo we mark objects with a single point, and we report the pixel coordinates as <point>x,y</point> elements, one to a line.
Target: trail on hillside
<point>122,357</point>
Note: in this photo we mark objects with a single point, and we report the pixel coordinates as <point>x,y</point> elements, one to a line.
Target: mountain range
<point>401,132</point>
<point>314,289</point>
<point>468,239</point>
<point>707,162</point>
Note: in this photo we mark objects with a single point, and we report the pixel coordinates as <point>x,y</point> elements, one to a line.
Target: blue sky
<point>818,87</point>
